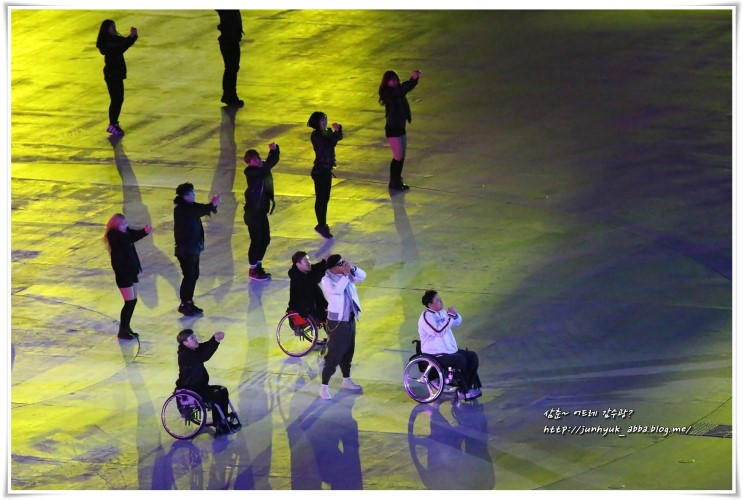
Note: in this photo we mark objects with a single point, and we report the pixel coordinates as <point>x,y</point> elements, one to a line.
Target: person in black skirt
<point>112,45</point>
<point>323,140</point>
<point>397,111</point>
<point>119,240</point>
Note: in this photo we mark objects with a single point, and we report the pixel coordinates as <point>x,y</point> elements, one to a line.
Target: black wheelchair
<point>185,414</point>
<point>425,378</point>
<point>297,335</point>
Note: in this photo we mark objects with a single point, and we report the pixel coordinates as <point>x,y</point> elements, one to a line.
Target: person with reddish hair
<point>119,240</point>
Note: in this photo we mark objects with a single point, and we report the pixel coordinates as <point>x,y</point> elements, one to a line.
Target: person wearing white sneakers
<point>339,287</point>
<point>437,339</point>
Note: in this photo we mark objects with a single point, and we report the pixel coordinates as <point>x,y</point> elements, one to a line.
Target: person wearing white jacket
<point>434,329</point>
<point>338,286</point>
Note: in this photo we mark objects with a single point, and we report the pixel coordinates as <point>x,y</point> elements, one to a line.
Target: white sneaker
<point>324,392</point>
<point>348,383</point>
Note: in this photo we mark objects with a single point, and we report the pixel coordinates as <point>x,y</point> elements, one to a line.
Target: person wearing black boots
<point>397,112</point>
<point>189,241</point>
<point>119,240</point>
<point>323,140</point>
<point>112,46</point>
<point>231,32</point>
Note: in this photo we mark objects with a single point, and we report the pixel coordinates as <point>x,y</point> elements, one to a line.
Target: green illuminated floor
<point>571,195</point>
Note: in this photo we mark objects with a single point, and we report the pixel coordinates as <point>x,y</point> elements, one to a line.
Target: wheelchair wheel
<point>296,335</point>
<point>183,414</point>
<point>423,379</point>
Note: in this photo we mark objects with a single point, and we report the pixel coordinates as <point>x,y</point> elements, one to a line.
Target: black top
<point>230,25</point>
<point>187,228</point>
<point>113,47</point>
<point>324,141</point>
<point>396,106</point>
<point>259,192</point>
<point>124,259</point>
<point>191,371</point>
<point>305,294</point>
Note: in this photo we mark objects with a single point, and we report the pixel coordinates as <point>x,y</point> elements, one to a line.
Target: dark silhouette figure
<point>323,140</point>
<point>112,45</point>
<point>231,29</point>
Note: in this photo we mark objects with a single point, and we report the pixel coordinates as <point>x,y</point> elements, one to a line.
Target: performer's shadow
<point>451,456</point>
<point>154,262</point>
<point>324,443</point>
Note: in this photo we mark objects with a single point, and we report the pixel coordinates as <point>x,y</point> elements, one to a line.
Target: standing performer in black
<point>112,45</point>
<point>231,29</point>
<point>189,241</point>
<point>323,140</point>
<point>119,240</point>
<point>397,111</point>
<point>259,202</point>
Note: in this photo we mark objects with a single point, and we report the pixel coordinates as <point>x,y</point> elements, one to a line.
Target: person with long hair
<point>119,240</point>
<point>397,111</point>
<point>112,46</point>
<point>323,140</point>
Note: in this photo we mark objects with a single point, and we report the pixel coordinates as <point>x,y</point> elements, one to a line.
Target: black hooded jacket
<point>192,373</point>
<point>323,142</point>
<point>305,294</point>
<point>396,106</point>
<point>124,258</point>
<point>113,47</point>
<point>259,193</point>
<point>187,227</point>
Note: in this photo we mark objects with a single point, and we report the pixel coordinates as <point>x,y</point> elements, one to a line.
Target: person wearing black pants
<point>339,288</point>
<point>258,196</point>
<point>192,375</point>
<point>231,29</point>
<point>112,46</point>
<point>189,241</point>
<point>437,339</point>
<point>119,240</point>
<point>323,140</point>
<point>397,112</point>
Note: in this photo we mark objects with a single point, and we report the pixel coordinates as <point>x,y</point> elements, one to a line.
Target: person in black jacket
<point>231,32</point>
<point>323,140</point>
<point>119,240</point>
<point>189,241</point>
<point>305,294</point>
<point>112,45</point>
<point>397,111</point>
<point>258,196</point>
<point>192,375</point>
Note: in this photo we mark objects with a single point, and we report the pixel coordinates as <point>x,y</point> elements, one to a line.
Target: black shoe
<point>195,308</point>
<point>186,310</point>
<point>324,231</point>
<point>258,274</point>
<point>233,101</point>
<point>399,187</point>
<point>222,429</point>
<point>127,333</point>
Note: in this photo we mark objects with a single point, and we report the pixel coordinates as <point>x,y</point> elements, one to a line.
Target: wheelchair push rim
<point>423,379</point>
<point>183,415</point>
<point>296,338</point>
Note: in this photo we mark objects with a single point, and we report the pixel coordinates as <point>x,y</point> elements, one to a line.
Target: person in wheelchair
<point>305,295</point>
<point>437,339</point>
<point>192,375</point>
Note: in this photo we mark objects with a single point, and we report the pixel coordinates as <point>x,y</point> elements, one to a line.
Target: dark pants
<point>231,54</point>
<point>323,183</point>
<point>466,362</point>
<point>260,235</point>
<point>218,395</point>
<point>116,92</point>
<point>190,270</point>
<point>341,344</point>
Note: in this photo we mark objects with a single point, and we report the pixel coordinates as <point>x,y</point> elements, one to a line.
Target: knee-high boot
<point>396,175</point>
